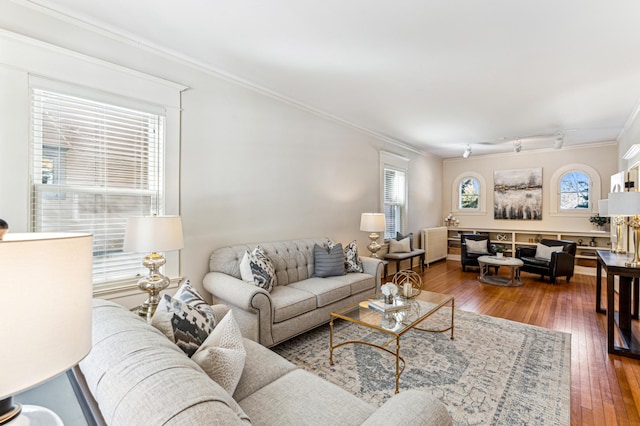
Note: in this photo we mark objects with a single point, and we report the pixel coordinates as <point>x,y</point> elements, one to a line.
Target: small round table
<point>514,265</point>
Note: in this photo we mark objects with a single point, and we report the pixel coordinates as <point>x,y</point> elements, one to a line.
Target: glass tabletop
<point>414,311</point>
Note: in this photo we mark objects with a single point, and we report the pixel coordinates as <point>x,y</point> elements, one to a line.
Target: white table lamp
<point>373,223</point>
<point>628,204</point>
<point>153,234</point>
<point>46,289</point>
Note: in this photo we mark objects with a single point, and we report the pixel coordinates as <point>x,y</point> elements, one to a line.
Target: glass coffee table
<point>395,323</point>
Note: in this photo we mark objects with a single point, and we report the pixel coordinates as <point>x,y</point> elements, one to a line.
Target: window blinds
<point>93,166</point>
<point>394,201</point>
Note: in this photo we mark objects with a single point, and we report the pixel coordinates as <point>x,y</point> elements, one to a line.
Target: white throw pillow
<point>402,246</point>
<point>477,246</point>
<point>257,268</point>
<point>222,355</point>
<point>544,252</point>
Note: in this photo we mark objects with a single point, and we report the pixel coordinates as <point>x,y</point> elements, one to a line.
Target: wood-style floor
<point>605,389</point>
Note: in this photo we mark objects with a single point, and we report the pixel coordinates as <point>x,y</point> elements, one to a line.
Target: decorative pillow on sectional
<point>183,324</point>
<point>256,267</point>
<point>222,355</point>
<point>474,246</point>
<point>544,252</point>
<point>191,297</point>
<point>328,262</point>
<point>352,262</point>
<point>402,246</point>
<point>399,237</point>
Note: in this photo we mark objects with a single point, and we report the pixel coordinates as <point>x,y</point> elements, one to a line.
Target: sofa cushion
<point>256,267</point>
<point>326,290</point>
<point>289,302</point>
<point>300,398</point>
<point>536,261</point>
<point>222,355</point>
<point>182,324</point>
<point>358,282</point>
<point>401,246</point>
<point>329,262</point>
<point>255,376</point>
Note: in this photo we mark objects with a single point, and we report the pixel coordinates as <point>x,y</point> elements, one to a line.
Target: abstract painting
<point>517,194</point>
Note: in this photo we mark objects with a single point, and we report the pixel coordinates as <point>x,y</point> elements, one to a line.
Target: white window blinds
<point>394,197</point>
<point>93,166</point>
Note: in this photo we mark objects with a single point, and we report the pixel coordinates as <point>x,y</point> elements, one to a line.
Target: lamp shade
<point>153,234</point>
<point>603,207</point>
<point>372,222</point>
<point>46,291</point>
<point>624,203</point>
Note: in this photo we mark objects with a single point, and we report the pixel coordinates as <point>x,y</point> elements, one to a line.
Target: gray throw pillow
<point>328,262</point>
<point>400,237</point>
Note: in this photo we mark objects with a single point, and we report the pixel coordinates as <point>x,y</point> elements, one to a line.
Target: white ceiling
<point>433,74</point>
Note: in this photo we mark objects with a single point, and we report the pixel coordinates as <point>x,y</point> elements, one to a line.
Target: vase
<point>499,255</point>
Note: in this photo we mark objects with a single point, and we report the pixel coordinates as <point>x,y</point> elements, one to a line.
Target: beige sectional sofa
<point>298,302</point>
<point>134,375</point>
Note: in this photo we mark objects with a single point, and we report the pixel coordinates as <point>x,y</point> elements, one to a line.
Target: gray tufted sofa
<point>298,302</point>
<point>135,376</point>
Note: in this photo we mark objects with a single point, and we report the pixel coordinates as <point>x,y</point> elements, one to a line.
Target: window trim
<point>399,163</point>
<point>482,199</point>
<point>594,191</point>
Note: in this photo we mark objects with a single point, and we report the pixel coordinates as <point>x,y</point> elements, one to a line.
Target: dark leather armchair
<point>468,254</point>
<point>561,263</point>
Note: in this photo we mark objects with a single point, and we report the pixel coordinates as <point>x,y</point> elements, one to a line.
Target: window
<point>394,201</point>
<point>469,194</point>
<point>574,190</point>
<point>93,165</point>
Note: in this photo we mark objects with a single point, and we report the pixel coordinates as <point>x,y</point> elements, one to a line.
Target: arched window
<point>469,197</point>
<point>574,190</point>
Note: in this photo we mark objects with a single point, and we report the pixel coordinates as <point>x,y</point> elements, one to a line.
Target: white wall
<point>603,158</point>
<point>253,168</point>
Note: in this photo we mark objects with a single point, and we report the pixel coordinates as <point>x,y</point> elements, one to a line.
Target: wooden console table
<point>628,279</point>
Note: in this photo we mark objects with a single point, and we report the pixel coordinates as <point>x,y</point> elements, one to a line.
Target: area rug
<point>494,372</point>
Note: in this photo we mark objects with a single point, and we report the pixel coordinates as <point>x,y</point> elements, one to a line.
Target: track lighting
<point>517,145</point>
<point>559,141</point>
<point>467,152</point>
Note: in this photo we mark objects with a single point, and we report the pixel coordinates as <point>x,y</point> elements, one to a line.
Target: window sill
<point>126,288</point>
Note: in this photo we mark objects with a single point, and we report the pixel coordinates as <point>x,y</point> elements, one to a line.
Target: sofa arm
<point>251,304</point>
<point>411,407</point>
<point>562,263</point>
<point>373,267</point>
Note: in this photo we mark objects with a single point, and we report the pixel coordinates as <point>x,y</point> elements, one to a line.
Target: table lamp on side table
<point>153,234</point>
<point>373,223</point>
<point>46,290</point>
<point>628,204</point>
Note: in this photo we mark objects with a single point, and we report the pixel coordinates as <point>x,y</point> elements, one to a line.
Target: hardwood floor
<point>605,389</point>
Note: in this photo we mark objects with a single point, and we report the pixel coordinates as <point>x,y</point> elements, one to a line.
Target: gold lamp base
<point>374,246</point>
<point>153,284</point>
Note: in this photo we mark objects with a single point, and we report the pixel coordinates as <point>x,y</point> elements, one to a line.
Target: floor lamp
<point>627,204</point>
<point>46,288</point>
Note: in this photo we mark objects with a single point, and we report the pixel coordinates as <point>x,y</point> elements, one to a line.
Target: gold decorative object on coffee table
<point>396,324</point>
<point>409,283</point>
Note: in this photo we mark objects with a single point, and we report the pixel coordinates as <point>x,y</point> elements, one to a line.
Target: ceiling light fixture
<point>631,152</point>
<point>517,145</point>
<point>559,141</point>
<point>467,152</point>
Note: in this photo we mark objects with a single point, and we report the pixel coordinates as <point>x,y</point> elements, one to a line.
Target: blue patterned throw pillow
<point>183,324</point>
<point>352,262</point>
<point>256,267</point>
<point>191,297</point>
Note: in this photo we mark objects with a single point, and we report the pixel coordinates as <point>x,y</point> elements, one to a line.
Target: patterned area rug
<point>494,372</point>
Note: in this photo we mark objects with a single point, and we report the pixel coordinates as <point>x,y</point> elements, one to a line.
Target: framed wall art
<point>517,194</point>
